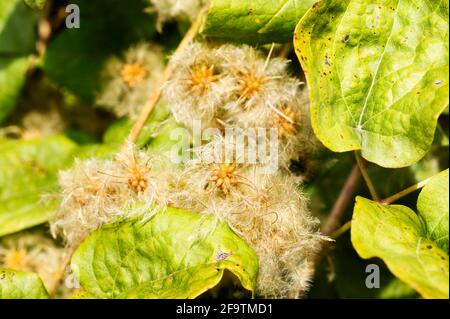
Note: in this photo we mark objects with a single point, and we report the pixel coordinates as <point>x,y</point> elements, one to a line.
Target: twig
<point>391,199</point>
<point>405,192</point>
<point>342,230</point>
<point>285,50</point>
<point>365,174</point>
<point>343,200</point>
<point>156,95</point>
<point>62,270</point>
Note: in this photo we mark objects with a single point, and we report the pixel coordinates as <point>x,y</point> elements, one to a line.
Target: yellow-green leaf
<point>175,254</point>
<point>21,285</point>
<point>378,75</point>
<point>399,236</point>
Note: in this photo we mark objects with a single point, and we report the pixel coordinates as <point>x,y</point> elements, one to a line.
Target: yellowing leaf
<point>378,75</point>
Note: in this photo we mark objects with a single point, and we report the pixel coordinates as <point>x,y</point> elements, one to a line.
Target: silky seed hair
<point>214,175</point>
<point>295,136</point>
<point>129,80</point>
<point>199,86</point>
<point>97,192</point>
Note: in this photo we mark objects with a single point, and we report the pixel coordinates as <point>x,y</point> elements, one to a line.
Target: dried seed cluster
<point>224,176</point>
<point>225,87</point>
<point>240,88</point>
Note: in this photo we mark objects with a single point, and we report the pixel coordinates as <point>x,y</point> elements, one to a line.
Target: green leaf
<point>28,169</point>
<point>399,236</point>
<point>254,21</point>
<point>21,285</point>
<point>433,206</point>
<point>12,79</point>
<point>17,41</point>
<point>17,29</point>
<point>378,75</point>
<point>36,4</point>
<point>175,254</point>
<point>76,57</point>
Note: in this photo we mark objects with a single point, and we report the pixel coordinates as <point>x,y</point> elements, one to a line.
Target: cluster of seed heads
<point>232,86</point>
<point>236,86</point>
<point>227,87</point>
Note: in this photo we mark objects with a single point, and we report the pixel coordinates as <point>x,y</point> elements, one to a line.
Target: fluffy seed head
<point>200,85</point>
<point>267,211</point>
<point>129,79</point>
<point>96,192</point>
<point>262,82</point>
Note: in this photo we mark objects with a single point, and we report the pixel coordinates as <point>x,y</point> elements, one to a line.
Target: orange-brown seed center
<point>224,177</point>
<point>132,74</point>
<point>201,78</point>
<point>251,84</point>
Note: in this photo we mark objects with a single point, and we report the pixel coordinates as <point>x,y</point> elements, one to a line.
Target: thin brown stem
<point>345,196</point>
<point>343,200</point>
<point>156,94</point>
<point>362,166</point>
